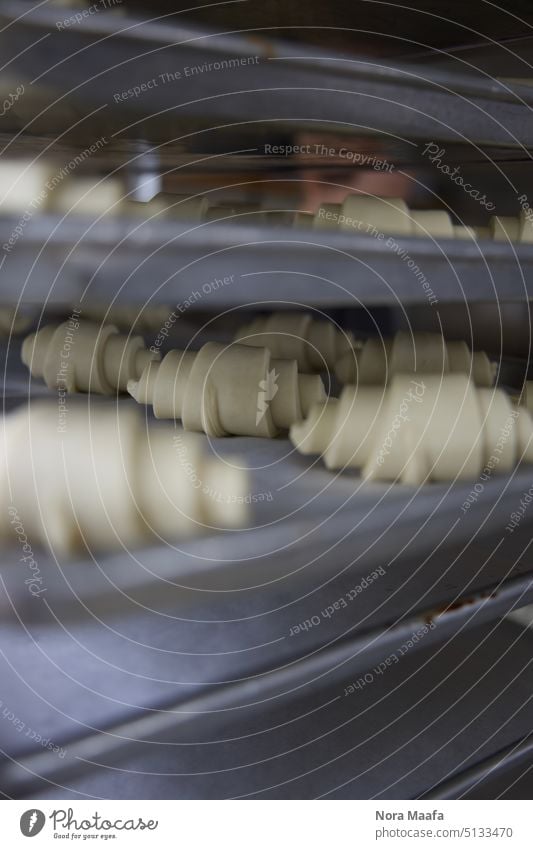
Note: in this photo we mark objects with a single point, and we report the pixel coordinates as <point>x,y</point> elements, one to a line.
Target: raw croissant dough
<point>24,184</point>
<point>88,196</point>
<point>107,480</point>
<point>13,321</point>
<point>508,228</point>
<point>379,359</point>
<point>418,429</point>
<point>327,216</point>
<point>228,389</point>
<point>391,216</point>
<point>526,399</point>
<point>82,356</point>
<point>505,228</point>
<point>315,345</point>
<point>128,316</point>
<point>384,215</point>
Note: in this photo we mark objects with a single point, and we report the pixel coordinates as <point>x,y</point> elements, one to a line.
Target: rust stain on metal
<point>264,45</point>
<point>461,603</point>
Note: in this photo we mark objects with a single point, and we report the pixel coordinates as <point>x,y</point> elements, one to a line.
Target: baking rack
<point>154,658</point>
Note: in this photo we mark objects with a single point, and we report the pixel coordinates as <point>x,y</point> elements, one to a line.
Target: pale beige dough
<point>83,356</point>
<point>526,227</point>
<point>419,428</point>
<point>461,231</point>
<point>505,228</point>
<point>320,219</point>
<point>149,317</point>
<point>87,196</point>
<point>371,215</point>
<point>24,185</point>
<point>228,389</point>
<point>384,215</point>
<point>432,222</point>
<point>315,345</point>
<point>104,479</point>
<point>526,398</point>
<point>13,321</point>
<point>378,359</point>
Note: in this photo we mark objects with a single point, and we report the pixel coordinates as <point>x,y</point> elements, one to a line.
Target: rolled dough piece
<point>526,226</point>
<point>505,228</point>
<point>24,185</point>
<point>106,481</point>
<point>315,345</point>
<point>88,196</point>
<point>462,232</point>
<point>526,398</point>
<point>13,321</point>
<point>228,389</point>
<point>432,222</point>
<point>384,215</point>
<point>81,356</point>
<point>378,359</point>
<point>144,317</point>
<point>327,216</point>
<point>419,428</point>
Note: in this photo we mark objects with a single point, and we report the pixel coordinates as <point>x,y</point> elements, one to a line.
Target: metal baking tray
<point>179,642</point>
<point>221,625</point>
<point>502,775</point>
<point>107,54</point>
<point>439,711</point>
<point>57,259</point>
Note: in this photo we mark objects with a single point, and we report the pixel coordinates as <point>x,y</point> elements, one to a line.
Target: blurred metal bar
<point>106,55</point>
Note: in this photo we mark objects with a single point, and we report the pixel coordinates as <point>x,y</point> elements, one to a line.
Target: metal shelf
<point>435,713</point>
<point>162,261</point>
<point>193,659</point>
<point>288,83</point>
<point>203,629</point>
